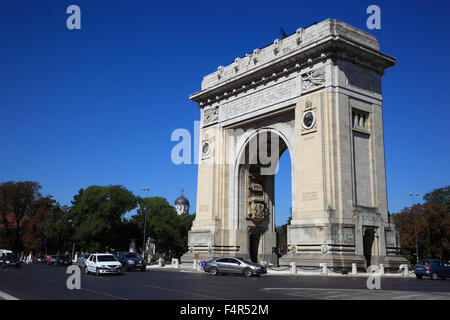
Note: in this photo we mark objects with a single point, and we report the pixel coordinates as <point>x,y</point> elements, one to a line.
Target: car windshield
<point>11,256</point>
<point>106,258</point>
<point>130,255</point>
<point>244,260</point>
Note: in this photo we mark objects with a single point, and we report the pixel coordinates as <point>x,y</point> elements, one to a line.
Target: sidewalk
<point>281,271</point>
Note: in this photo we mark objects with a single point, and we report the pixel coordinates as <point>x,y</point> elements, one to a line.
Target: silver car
<point>234,265</point>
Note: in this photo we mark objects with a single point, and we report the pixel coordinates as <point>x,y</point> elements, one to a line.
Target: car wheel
<point>248,272</point>
<point>418,276</point>
<point>143,269</point>
<point>213,271</point>
<point>434,276</point>
<point>97,272</point>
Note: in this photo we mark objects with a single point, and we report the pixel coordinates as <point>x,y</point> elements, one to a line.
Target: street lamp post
<point>146,189</point>
<point>413,195</point>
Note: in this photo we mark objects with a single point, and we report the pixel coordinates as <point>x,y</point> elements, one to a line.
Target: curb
<point>286,273</point>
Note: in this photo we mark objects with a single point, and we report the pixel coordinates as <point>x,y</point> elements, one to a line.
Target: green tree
<point>440,196</point>
<point>97,214</point>
<point>281,232</point>
<point>186,221</point>
<point>164,225</point>
<point>57,228</point>
<point>129,230</point>
<point>17,201</point>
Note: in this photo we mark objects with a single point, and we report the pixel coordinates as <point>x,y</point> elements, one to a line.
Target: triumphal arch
<point>315,94</point>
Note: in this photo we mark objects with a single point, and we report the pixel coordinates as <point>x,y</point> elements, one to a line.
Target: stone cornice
<point>337,41</point>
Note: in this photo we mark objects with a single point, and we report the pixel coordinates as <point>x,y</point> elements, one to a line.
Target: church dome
<point>182,200</point>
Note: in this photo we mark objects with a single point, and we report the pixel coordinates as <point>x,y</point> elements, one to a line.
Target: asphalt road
<point>49,283</point>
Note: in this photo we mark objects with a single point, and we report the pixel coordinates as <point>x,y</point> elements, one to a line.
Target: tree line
<point>95,221</point>
<point>432,224</point>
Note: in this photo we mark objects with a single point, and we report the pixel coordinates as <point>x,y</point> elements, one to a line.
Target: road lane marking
<point>105,294</point>
<point>6,296</point>
<point>356,294</point>
<point>184,292</point>
<point>100,278</point>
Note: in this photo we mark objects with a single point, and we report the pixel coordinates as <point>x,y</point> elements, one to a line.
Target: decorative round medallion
<point>309,119</point>
<point>205,148</point>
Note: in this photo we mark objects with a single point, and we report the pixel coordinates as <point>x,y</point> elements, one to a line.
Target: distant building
<point>182,204</point>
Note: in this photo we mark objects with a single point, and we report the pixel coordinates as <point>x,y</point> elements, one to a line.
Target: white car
<point>4,251</point>
<point>100,263</point>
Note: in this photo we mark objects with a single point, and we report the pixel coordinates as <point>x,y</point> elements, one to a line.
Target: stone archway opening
<point>254,243</point>
<point>256,185</point>
<point>284,202</point>
<point>370,245</point>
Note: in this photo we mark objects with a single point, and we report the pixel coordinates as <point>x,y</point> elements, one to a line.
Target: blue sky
<point>98,105</point>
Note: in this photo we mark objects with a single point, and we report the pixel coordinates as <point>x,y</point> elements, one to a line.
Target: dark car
<point>234,265</point>
<point>39,259</point>
<point>63,260</point>
<point>433,268</point>
<point>51,259</point>
<point>130,260</point>
<point>81,260</point>
<point>9,260</point>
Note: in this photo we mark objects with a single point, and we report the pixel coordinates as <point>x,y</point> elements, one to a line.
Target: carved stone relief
<point>257,202</point>
<point>313,79</point>
<point>260,99</point>
<point>210,115</point>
